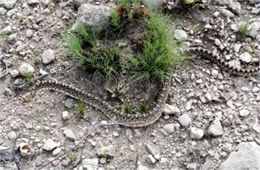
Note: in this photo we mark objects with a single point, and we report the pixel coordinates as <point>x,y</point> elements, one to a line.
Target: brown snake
<point>138,119</point>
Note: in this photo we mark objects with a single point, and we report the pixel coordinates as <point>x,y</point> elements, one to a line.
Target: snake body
<point>138,119</point>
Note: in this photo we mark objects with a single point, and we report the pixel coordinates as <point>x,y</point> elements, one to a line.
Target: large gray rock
<point>235,7</point>
<point>153,4</point>
<point>224,2</point>
<point>254,2</point>
<point>78,3</point>
<point>254,29</point>
<point>247,157</point>
<point>93,16</point>
<point>9,4</point>
<point>227,13</point>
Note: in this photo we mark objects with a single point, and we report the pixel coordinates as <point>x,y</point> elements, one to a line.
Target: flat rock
<point>90,164</point>
<point>246,157</point>
<point>170,109</point>
<point>152,149</point>
<point>108,151</point>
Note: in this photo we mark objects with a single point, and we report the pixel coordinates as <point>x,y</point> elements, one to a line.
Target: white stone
<point>152,149</point>
<point>48,56</point>
<point>8,92</point>
<point>6,30</point>
<point>56,151</point>
<point>25,69</point>
<point>215,128</point>
<point>246,57</point>
<point>46,2</point>
<point>29,33</point>
<point>14,73</point>
<point>170,109</point>
<point>49,145</point>
<point>185,120</point>
<point>32,2</point>
<point>69,134</point>
<point>235,7</point>
<point>196,133</point>
<point>244,113</point>
<point>65,115</point>
<point>256,128</point>
<point>12,135</point>
<point>109,151</point>
<point>151,159</point>
<point>169,128</point>
<point>227,13</point>
<point>90,164</point>
<point>180,35</point>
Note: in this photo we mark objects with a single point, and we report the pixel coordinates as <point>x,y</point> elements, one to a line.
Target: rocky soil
<point>211,120</point>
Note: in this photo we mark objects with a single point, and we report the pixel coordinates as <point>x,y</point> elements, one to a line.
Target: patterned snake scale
<point>138,119</point>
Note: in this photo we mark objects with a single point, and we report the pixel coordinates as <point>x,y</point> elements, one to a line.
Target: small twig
<point>87,133</point>
<point>77,146</point>
<point>6,68</point>
<point>17,162</point>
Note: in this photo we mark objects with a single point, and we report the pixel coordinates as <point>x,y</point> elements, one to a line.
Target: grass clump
<point>159,50</point>
<point>144,107</point>
<point>3,36</point>
<point>81,107</point>
<point>154,58</point>
<point>124,13</point>
<point>28,77</point>
<point>105,61</point>
<point>243,29</point>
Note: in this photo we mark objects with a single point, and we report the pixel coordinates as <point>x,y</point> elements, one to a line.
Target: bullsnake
<point>138,119</point>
